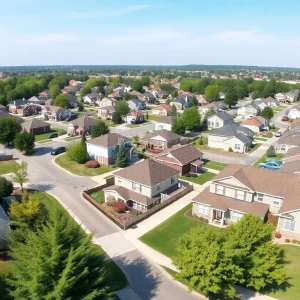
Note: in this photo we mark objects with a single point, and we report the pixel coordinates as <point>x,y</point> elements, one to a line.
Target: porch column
<point>222,220</point>
<point>211,215</point>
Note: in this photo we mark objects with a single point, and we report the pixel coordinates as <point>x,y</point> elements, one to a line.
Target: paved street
<point>144,277</point>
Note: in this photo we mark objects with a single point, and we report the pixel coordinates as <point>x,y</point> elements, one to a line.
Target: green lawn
<point>213,165</point>
<point>164,238</point>
<point>260,138</point>
<point>292,255</point>
<point>154,117</point>
<point>201,179</point>
<point>78,169</point>
<point>44,136</point>
<point>6,166</point>
<point>71,138</point>
<point>256,146</point>
<point>98,196</point>
<point>275,129</point>
<point>264,157</point>
<point>110,123</point>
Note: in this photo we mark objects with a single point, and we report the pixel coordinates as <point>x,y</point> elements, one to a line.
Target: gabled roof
<point>252,122</point>
<point>84,122</point>
<point>223,116</point>
<point>135,113</point>
<point>108,140</point>
<point>167,120</point>
<point>293,140</point>
<point>167,107</point>
<point>292,152</point>
<point>184,154</point>
<point>71,98</point>
<point>148,172</point>
<point>135,101</point>
<point>34,123</point>
<point>233,130</point>
<point>166,134</point>
<point>267,181</point>
<point>290,167</point>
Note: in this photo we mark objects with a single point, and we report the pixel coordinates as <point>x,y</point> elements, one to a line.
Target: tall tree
<point>267,113</point>
<point>191,118</point>
<point>24,141</point>
<point>145,80</point>
<point>10,126</point>
<point>178,126</point>
<point>61,255</point>
<point>206,263</point>
<point>99,129</point>
<point>137,86</point>
<point>61,101</point>
<point>174,111</point>
<point>122,157</point>
<point>54,91</point>
<point>212,92</point>
<point>116,118</point>
<point>231,98</point>
<point>20,174</point>
<point>194,101</point>
<point>122,108</point>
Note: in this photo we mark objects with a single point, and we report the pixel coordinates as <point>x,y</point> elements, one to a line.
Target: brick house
<point>184,159</point>
<point>35,126</point>
<point>81,126</point>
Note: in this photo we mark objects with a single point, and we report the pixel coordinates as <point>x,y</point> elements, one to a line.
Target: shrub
<point>119,206</point>
<point>77,152</point>
<point>294,241</point>
<point>278,235</point>
<point>271,152</point>
<point>6,187</point>
<point>144,150</point>
<point>187,175</point>
<point>194,175</point>
<point>200,141</point>
<point>110,200</point>
<point>92,164</point>
<point>287,240</point>
<point>230,149</point>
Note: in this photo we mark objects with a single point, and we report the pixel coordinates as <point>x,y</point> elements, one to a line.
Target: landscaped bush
<point>6,187</point>
<point>144,150</point>
<point>271,152</point>
<point>119,206</point>
<point>287,240</point>
<point>278,235</point>
<point>194,175</point>
<point>110,200</point>
<point>92,164</point>
<point>294,241</point>
<point>203,220</point>
<point>77,152</point>
<point>230,149</point>
<point>200,141</point>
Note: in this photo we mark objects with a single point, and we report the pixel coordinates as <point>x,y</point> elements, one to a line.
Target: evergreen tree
<point>6,187</point>
<point>83,140</point>
<point>147,115</point>
<point>24,141</point>
<point>178,127</point>
<point>58,262</point>
<point>116,118</point>
<point>174,111</point>
<point>122,157</point>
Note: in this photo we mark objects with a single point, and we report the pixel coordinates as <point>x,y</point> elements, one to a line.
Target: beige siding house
<point>219,120</point>
<point>242,189</point>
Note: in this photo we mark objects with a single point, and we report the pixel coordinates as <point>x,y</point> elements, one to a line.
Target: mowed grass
<point>79,169</point>
<point>44,136</point>
<point>256,146</point>
<point>264,157</point>
<point>292,256</point>
<point>201,179</point>
<point>7,166</point>
<point>214,165</point>
<point>164,238</point>
<point>98,196</point>
<point>154,117</point>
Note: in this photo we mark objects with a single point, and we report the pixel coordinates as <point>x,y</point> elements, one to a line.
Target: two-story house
<point>91,98</point>
<point>288,140</point>
<point>141,185</point>
<point>107,102</point>
<point>248,111</point>
<point>219,120</point>
<point>240,189</point>
<point>55,113</point>
<point>105,148</point>
<point>135,104</point>
<point>16,104</point>
<point>215,105</point>
<point>81,126</point>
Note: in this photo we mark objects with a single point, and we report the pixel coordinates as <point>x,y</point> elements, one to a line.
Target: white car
<point>278,134</point>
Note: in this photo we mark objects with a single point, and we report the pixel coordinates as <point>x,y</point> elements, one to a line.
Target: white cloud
<point>45,38</point>
<point>109,12</point>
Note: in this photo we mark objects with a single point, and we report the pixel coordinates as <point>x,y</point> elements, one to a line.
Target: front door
<point>218,215</point>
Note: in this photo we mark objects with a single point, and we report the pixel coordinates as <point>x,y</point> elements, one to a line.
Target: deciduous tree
<point>212,92</point>
<point>20,174</point>
<point>10,126</point>
<point>24,141</point>
<point>231,98</point>
<point>267,113</point>
<point>178,126</point>
<point>54,91</point>
<point>61,101</point>
<point>145,80</point>
<point>6,187</point>
<point>191,118</point>
<point>138,86</point>
<point>99,129</point>
<point>116,118</point>
<point>122,108</point>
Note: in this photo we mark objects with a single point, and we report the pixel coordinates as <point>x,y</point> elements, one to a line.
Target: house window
<point>276,202</point>
<point>136,187</point>
<point>260,197</point>
<point>203,209</point>
<point>217,124</point>
<point>220,189</point>
<point>212,188</point>
<point>237,147</point>
<point>289,225</point>
<point>240,195</point>
<point>282,147</point>
<point>236,216</point>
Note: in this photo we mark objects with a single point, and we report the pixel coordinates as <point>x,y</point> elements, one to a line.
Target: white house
<point>294,113</point>
<point>135,116</point>
<point>91,98</point>
<point>248,111</point>
<point>219,120</point>
<point>260,103</point>
<point>162,110</point>
<point>164,123</point>
<point>280,97</point>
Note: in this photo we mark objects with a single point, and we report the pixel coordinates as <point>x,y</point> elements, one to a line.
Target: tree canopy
<point>20,173</point>
<point>99,129</point>
<point>267,113</point>
<point>137,86</point>
<point>145,80</point>
<point>24,141</point>
<point>231,98</point>
<point>122,108</point>
<point>178,126</point>
<point>61,101</point>
<point>122,157</point>
<point>191,118</point>
<point>212,92</point>
<point>10,126</point>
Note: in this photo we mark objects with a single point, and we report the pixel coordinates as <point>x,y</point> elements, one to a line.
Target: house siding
<point>159,126</point>
<point>267,199</point>
<point>225,143</point>
<point>290,234</point>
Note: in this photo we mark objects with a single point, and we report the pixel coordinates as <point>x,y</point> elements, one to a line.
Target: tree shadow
<point>142,276</point>
<point>41,186</point>
<point>42,151</point>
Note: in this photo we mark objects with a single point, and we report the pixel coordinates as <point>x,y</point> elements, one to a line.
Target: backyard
<point>80,169</point>
<point>44,136</point>
<point>201,179</point>
<point>6,166</point>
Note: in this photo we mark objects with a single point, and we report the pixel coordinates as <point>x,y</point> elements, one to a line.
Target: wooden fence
<point>136,219</point>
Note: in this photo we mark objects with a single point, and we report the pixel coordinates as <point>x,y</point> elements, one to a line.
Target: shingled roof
<point>108,140</point>
<point>34,123</point>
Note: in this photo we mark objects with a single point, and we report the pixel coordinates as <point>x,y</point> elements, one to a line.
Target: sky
<point>144,32</point>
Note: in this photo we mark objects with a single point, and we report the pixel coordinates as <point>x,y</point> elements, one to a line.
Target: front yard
<point>213,165</point>
<point>264,157</point>
<point>256,146</point>
<point>79,169</point>
<point>44,136</point>
<point>6,166</point>
<point>154,117</point>
<point>164,238</point>
<point>201,179</point>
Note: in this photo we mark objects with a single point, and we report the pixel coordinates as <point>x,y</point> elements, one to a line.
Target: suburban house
<point>294,113</point>
<point>270,101</point>
<point>135,104</point>
<point>106,112</point>
<point>242,189</point>
<point>162,110</point>
<point>37,100</point>
<point>91,98</point>
<point>55,113</point>
<point>3,108</point>
<point>292,95</point>
<point>288,140</point>
<point>35,126</point>
<point>165,123</point>
<point>81,126</point>
<point>148,97</point>
<point>215,105</point>
<point>219,120</point>
<point>182,101</point>
<point>49,102</point>
<point>46,94</point>
<point>117,94</point>
<point>260,103</point>
<point>280,97</point>
<point>76,83</point>
<point>184,158</point>
<point>143,185</point>
<point>231,136</point>
<point>291,161</point>
<point>293,154</point>
<point>135,117</point>
<point>28,110</point>
<point>161,140</point>
<point>248,111</point>
<point>16,104</point>
<point>256,124</point>
<point>107,102</point>
<point>104,148</point>
<point>72,100</point>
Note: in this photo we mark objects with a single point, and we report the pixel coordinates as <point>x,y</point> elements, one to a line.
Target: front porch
<point>196,166</point>
<point>218,218</point>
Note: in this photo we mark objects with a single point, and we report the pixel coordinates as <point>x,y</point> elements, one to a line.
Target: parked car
<point>58,150</point>
<point>285,118</point>
<point>272,159</point>
<point>271,165</point>
<point>52,135</point>
<point>278,134</point>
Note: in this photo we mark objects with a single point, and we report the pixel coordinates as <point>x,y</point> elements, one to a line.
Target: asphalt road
<point>144,277</point>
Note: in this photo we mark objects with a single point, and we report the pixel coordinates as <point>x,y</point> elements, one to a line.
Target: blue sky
<point>165,32</point>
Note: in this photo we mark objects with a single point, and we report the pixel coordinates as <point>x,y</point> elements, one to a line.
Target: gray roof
<point>224,116</point>
<point>167,120</point>
<point>290,167</point>
<point>108,140</point>
<point>166,134</point>
<point>34,123</point>
<point>253,105</point>
<point>84,122</point>
<point>232,130</point>
<point>135,101</point>
<point>3,113</point>
<point>71,98</point>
